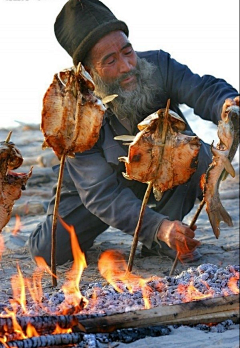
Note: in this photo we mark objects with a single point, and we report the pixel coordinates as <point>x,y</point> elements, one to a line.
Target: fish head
<point>228,127</point>
<point>10,156</point>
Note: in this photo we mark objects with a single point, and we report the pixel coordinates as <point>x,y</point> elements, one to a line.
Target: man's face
<point>114,58</point>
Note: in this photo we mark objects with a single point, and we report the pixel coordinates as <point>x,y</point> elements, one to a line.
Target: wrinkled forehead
<point>111,43</point>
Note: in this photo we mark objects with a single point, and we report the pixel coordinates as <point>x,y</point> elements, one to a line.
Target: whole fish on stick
<point>165,162</point>
<point>72,115</point>
<point>71,120</point>
<point>160,155</point>
<point>11,183</point>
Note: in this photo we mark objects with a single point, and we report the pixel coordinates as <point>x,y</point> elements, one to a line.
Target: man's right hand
<point>178,236</point>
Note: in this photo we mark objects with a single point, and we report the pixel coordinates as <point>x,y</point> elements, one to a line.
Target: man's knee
<point>86,230</point>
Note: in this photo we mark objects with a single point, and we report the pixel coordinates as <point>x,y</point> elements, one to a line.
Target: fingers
<point>178,236</point>
<point>229,102</point>
<point>186,230</point>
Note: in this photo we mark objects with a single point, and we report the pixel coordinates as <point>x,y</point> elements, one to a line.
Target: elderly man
<point>95,195</point>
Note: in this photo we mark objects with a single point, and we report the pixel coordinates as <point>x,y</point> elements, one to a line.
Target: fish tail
<point>215,216</point>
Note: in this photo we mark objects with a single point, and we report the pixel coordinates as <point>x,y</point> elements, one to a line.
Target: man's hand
<point>229,102</point>
<point>178,236</point>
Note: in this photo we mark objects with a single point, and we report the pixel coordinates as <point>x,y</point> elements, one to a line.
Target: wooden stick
<point>8,137</point>
<point>138,227</point>
<point>54,221</point>
<point>174,314</point>
<point>210,310</point>
<point>201,205</point>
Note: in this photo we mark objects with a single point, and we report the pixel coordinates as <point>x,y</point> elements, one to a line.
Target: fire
<point>71,287</point>
<point>113,268</point>
<point>59,330</point>
<point>19,294</point>
<point>233,283</point>
<point>190,293</point>
<point>1,246</point>
<point>17,226</point>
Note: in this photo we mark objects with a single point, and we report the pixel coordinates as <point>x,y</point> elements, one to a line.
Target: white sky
<point>202,34</point>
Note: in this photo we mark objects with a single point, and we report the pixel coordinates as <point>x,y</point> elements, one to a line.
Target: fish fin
<point>123,159</point>
<point>217,215</point>
<point>109,98</point>
<point>125,137</point>
<point>229,168</point>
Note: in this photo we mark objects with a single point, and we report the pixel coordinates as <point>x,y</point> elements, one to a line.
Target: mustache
<point>133,72</point>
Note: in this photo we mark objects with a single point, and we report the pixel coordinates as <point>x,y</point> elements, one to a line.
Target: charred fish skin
<point>228,133</point>
<point>11,184</point>
<point>71,115</point>
<point>167,164</point>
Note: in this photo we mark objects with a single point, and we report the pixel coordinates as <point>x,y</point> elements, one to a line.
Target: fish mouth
<point>13,178</point>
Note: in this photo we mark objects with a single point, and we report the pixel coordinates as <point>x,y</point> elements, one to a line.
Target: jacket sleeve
<point>105,195</point>
<point>205,94</point>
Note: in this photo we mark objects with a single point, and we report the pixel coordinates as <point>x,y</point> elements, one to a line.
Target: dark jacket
<point>96,175</point>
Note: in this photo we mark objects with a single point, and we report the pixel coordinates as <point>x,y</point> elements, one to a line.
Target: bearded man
<point>95,195</point>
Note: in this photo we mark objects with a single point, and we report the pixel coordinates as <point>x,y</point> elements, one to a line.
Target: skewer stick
<point>138,227</point>
<point>8,137</point>
<point>147,193</point>
<point>201,205</point>
<point>54,221</point>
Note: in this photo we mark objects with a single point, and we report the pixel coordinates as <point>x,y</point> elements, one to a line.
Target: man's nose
<point>124,65</point>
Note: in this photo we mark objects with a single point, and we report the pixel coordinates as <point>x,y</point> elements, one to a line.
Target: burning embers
<point>125,293</point>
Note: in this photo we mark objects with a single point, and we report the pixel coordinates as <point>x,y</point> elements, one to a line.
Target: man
<point>95,195</point>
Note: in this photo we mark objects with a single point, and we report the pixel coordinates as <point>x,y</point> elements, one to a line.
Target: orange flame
<point>71,290</point>
<point>233,283</point>
<point>59,330</point>
<point>113,268</point>
<point>1,246</point>
<point>190,293</point>
<point>19,294</point>
<point>17,226</point>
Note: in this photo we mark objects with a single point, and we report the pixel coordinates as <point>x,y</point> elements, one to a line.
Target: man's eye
<point>128,52</point>
<point>110,61</point>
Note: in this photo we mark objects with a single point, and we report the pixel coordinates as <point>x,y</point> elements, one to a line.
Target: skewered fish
<point>228,133</point>
<point>11,183</point>
<point>166,162</point>
<point>72,115</point>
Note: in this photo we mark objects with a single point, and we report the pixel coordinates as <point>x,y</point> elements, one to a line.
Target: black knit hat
<point>82,23</point>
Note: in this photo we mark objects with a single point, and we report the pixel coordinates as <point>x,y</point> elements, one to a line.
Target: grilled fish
<point>72,115</point>
<point>11,183</point>
<point>228,133</point>
<point>166,164</point>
